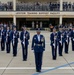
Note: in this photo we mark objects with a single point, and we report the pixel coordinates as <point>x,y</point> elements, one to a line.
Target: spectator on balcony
<point>69,6</point>
<point>73,6</point>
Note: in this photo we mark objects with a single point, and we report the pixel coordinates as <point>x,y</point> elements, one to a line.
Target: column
<point>40,24</point>
<point>14,20</point>
<point>61,5</point>
<point>14,5</point>
<point>33,25</point>
<point>60,20</point>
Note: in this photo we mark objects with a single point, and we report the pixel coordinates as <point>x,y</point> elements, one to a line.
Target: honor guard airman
<point>38,45</point>
<point>60,41</point>
<point>70,30</point>
<point>15,36</point>
<point>24,37</point>
<point>66,40</point>
<point>8,39</point>
<point>3,35</point>
<point>72,38</point>
<point>53,38</point>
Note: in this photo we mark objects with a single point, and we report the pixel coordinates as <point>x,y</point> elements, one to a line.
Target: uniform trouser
<point>2,45</point>
<point>60,49</point>
<point>38,60</point>
<point>8,47</point>
<point>72,45</point>
<point>51,29</point>
<point>66,47</point>
<point>25,52</point>
<point>15,49</point>
<point>54,52</point>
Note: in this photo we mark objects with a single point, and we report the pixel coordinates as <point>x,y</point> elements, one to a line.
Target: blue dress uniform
<point>0,34</point>
<point>72,39</point>
<point>24,37</point>
<point>15,36</point>
<point>66,41</point>
<point>70,30</point>
<point>53,38</point>
<point>60,42</point>
<point>3,35</point>
<point>8,40</point>
<point>38,45</point>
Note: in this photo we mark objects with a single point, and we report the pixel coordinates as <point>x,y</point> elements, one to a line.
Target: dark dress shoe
<point>38,70</point>
<point>14,55</point>
<point>60,55</point>
<point>54,59</point>
<point>66,52</point>
<point>24,59</point>
<point>8,52</point>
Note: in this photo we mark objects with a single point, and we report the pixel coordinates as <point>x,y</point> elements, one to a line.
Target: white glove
<point>23,43</point>
<point>60,41</point>
<point>32,50</point>
<point>13,36</point>
<point>7,34</point>
<point>70,38</point>
<point>66,41</point>
<point>1,34</point>
<point>67,36</point>
<point>61,36</point>
<point>54,45</point>
<point>24,37</point>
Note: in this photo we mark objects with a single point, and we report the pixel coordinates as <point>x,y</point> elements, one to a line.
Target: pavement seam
<point>68,63</point>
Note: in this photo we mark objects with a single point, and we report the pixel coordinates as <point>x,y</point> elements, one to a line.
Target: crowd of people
<point>6,6</point>
<point>60,40</point>
<point>5,25</point>
<point>48,6</point>
<point>37,6</point>
<point>68,6</point>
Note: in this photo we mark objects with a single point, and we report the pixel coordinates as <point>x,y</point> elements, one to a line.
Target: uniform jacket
<point>38,46</point>
<point>8,36</point>
<point>16,36</point>
<point>27,37</point>
<point>53,38</point>
<point>3,35</point>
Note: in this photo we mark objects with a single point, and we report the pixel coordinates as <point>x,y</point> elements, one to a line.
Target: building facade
<point>42,17</point>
